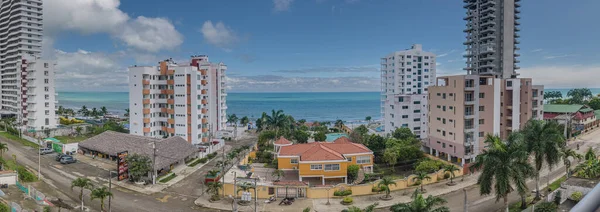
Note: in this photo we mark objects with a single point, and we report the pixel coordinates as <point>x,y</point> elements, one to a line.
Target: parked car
<point>67,159</point>
<point>44,151</point>
<point>60,156</point>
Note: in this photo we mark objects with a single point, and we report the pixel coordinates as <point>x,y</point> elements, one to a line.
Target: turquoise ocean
<point>348,106</point>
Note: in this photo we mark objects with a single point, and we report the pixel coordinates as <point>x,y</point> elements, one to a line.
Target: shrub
<point>428,166</point>
<point>353,171</point>
<point>446,175</point>
<point>25,175</point>
<point>168,178</point>
<point>203,160</point>
<point>546,206</point>
<point>376,189</point>
<point>342,193</point>
<point>576,196</point>
<point>211,155</point>
<point>4,208</point>
<point>196,162</point>
<point>347,200</point>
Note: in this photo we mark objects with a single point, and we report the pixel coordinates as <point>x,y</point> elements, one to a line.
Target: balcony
<point>204,91</point>
<point>204,82</point>
<point>146,91</point>
<point>470,101</point>
<point>146,120</point>
<point>205,139</point>
<point>170,130</point>
<point>204,101</point>
<point>203,72</point>
<point>204,121</point>
<point>170,111</point>
<point>163,110</point>
<point>170,72</point>
<point>204,130</point>
<point>145,82</point>
<point>171,121</point>
<point>167,91</point>
<point>204,110</point>
<point>170,82</point>
<point>146,111</point>
<point>171,101</point>
<point>146,101</point>
<point>146,129</point>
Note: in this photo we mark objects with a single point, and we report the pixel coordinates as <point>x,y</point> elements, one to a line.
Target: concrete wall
<point>8,177</point>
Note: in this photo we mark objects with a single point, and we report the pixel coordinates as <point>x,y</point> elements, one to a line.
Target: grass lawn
<point>556,184</point>
<point>72,139</point>
<point>17,139</point>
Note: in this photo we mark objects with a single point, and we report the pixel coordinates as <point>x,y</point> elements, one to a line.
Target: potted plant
<point>347,201</point>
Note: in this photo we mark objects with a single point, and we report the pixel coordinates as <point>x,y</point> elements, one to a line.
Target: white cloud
<point>563,76</point>
<point>273,83</point>
<point>537,50</point>
<point>151,34</point>
<point>90,71</point>
<point>558,56</point>
<point>219,34</point>
<point>282,5</point>
<point>447,53</point>
<point>104,16</point>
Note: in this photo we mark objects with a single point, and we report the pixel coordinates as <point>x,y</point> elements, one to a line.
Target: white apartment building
<point>186,100</point>
<point>405,76</point>
<point>27,81</point>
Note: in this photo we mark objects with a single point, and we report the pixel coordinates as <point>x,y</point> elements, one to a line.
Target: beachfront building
<point>580,118</point>
<point>321,163</point>
<point>27,81</point>
<point>492,37</point>
<point>405,76</point>
<point>186,100</point>
<point>463,109</point>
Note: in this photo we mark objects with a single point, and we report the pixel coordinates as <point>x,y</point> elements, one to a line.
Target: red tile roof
<point>290,183</point>
<point>283,141</point>
<point>342,139</point>
<point>320,151</point>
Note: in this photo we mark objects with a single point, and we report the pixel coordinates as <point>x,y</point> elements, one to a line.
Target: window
<point>481,121</point>
<point>417,102</point>
<point>417,111</point>
<point>404,116</point>
<point>332,167</point>
<point>508,83</point>
<point>46,89</point>
<point>45,73</point>
<point>481,95</point>
<point>400,99</point>
<point>47,104</point>
<point>316,166</point>
<point>443,145</point>
<point>47,121</point>
<point>294,161</point>
<point>47,112</point>
<point>350,159</point>
<point>405,107</point>
<point>46,81</point>
<point>45,65</point>
<point>363,159</point>
<point>481,134</point>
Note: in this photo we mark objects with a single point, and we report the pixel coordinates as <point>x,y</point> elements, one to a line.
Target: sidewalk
<point>182,171</point>
<point>98,162</point>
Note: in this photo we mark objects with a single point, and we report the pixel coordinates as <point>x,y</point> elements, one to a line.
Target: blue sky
<point>302,45</point>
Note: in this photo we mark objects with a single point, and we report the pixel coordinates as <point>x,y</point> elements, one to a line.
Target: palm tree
<point>543,139</point>
<point>83,183</point>
<point>245,187</point>
<point>276,121</point>
<point>421,204</point>
<point>213,172</point>
<point>101,193</point>
<point>103,110</point>
<point>60,110</point>
<point>565,153</point>
<point>451,169</point>
<point>213,188</point>
<point>369,208</point>
<point>421,177</point>
<point>222,164</point>
<point>3,149</point>
<point>126,112</point>
<point>503,165</point>
<point>233,119</point>
<point>385,185</point>
<point>339,123</point>
<point>84,111</point>
<point>244,121</point>
<point>94,112</point>
<point>278,173</point>
<point>78,129</point>
<point>368,119</point>
<point>589,154</point>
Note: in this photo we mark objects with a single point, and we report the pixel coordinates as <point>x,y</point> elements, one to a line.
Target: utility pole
<point>234,192</point>
<point>39,159</point>
<point>255,196</point>
<point>154,163</point>
<point>466,206</point>
<point>110,189</point>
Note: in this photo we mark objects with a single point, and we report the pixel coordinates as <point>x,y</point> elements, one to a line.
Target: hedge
<point>342,193</point>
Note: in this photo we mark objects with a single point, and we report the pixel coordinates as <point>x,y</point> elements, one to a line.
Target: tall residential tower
<point>27,81</point>
<point>492,37</point>
<point>405,76</point>
<point>186,100</point>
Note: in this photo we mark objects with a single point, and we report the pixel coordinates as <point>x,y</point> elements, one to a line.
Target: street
<point>179,197</point>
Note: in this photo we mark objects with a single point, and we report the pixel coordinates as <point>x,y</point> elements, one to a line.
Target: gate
<point>283,192</point>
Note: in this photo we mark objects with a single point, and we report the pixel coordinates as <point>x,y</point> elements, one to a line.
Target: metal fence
<point>33,193</point>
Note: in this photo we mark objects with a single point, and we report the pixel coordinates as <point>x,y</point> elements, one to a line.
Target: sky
<point>303,45</point>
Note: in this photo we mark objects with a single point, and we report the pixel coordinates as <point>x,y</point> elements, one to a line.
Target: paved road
<point>179,197</point>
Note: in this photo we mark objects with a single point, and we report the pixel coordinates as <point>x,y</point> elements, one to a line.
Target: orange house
<point>322,161</point>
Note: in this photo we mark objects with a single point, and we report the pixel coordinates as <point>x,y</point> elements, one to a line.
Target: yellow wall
<point>305,169</point>
<point>284,163</point>
<point>263,191</point>
<point>361,165</point>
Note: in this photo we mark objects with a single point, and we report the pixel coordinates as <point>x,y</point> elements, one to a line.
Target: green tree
<point>213,188</point>
<point>579,95</point>
<point>546,207</point>
<point>320,136</point>
<point>278,174</point>
<point>503,164</point>
<point>565,154</point>
<point>544,139</point>
<point>370,208</point>
<point>385,184</point>
<point>94,112</point>
<point>428,166</point>
<point>244,121</point>
<point>589,169</point>
<point>594,103</point>
<point>82,183</point>
<point>339,123</point>
<point>101,193</point>
<point>368,119</point>
<point>421,204</point>
<point>404,134</point>
<point>276,121</point>
<point>126,113</point>
<point>139,166</point>
<point>103,110</point>
<point>301,136</point>
<point>390,156</point>
<point>245,187</point>
<point>451,169</point>
<point>376,144</point>
<point>420,178</point>
<point>233,119</point>
<point>3,149</point>
<point>78,129</point>
<point>84,111</point>
<point>589,154</point>
<point>352,172</point>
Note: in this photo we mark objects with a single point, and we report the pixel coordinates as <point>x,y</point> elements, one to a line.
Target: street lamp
<point>328,188</point>
<point>110,187</point>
